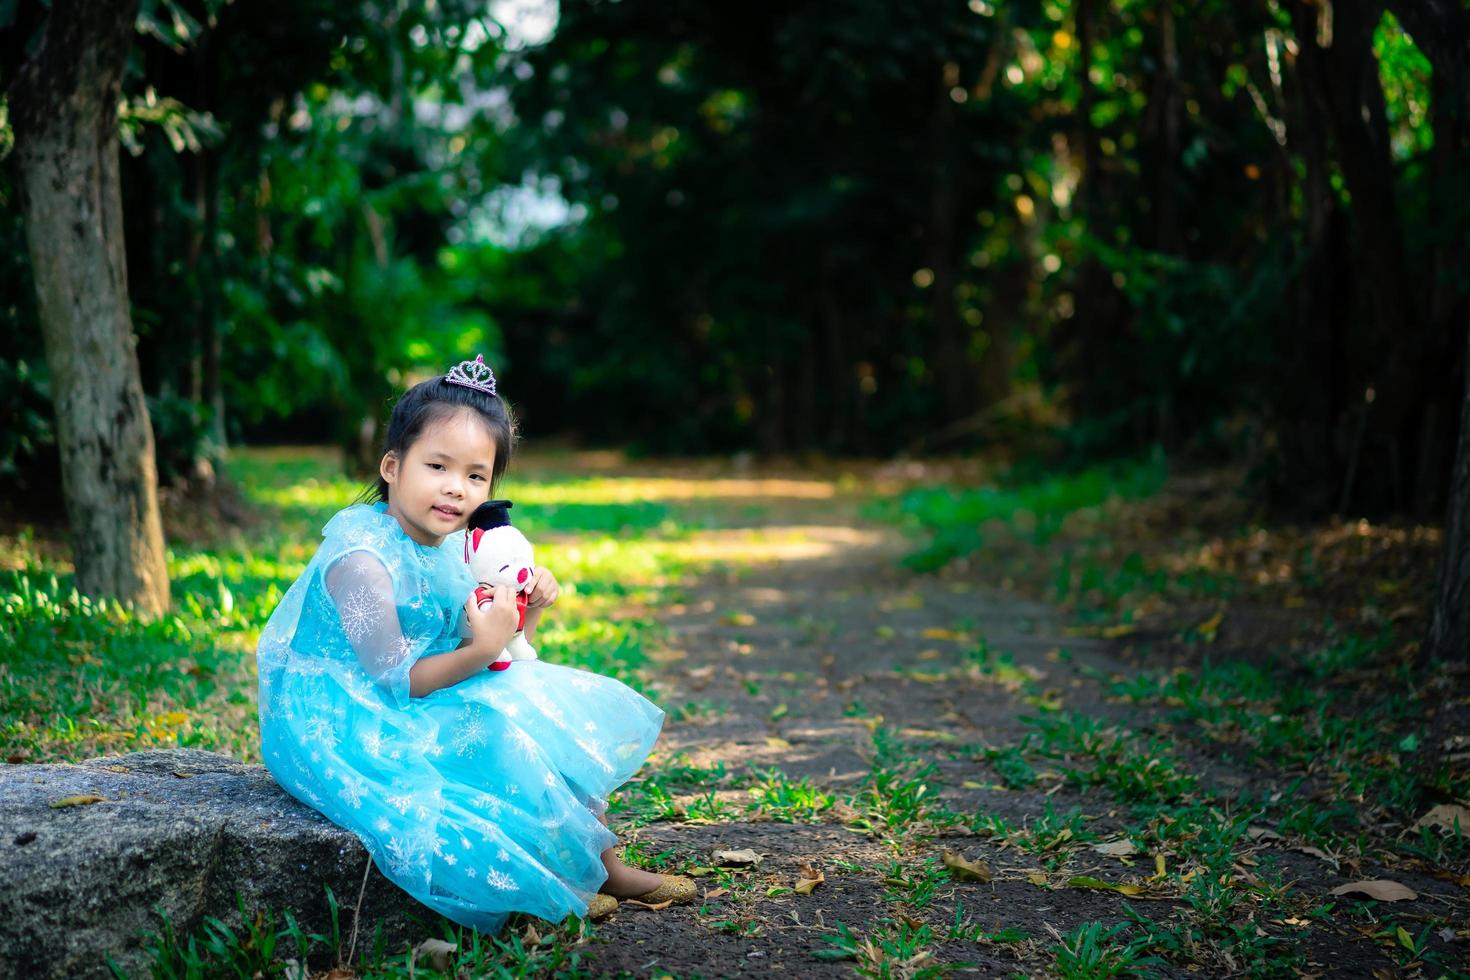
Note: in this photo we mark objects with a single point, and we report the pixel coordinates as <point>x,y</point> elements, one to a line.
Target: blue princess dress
<point>479,799</point>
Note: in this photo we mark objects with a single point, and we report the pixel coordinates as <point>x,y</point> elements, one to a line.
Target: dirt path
<point>827,667</point>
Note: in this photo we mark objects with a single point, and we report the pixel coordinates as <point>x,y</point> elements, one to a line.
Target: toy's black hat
<point>492,513</point>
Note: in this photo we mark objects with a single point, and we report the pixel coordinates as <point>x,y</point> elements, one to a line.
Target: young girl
<point>479,793</point>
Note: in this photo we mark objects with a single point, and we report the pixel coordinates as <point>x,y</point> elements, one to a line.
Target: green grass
<point>260,943</point>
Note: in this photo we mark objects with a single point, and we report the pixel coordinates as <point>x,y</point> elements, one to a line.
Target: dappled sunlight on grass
<point>639,489</point>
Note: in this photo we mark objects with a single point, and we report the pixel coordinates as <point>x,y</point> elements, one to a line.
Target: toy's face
<point>500,556</point>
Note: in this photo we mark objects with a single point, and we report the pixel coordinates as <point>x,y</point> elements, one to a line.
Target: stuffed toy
<point>498,554</point>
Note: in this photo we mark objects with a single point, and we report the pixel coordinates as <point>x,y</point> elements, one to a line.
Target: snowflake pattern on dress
<point>489,804</point>
<point>471,733</point>
<point>526,746</point>
<point>353,788</point>
<point>321,731</point>
<point>360,613</point>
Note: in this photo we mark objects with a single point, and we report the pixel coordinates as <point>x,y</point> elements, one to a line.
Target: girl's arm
<point>362,590</point>
<point>492,627</point>
<point>533,616</point>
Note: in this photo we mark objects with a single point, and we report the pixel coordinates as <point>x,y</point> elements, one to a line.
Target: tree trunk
<point>64,107</point>
<point>949,358</point>
<point>1449,630</point>
<point>1309,398</point>
<point>1338,39</point>
<point>1161,127</point>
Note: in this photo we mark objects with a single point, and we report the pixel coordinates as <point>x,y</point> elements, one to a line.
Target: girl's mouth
<point>449,513</point>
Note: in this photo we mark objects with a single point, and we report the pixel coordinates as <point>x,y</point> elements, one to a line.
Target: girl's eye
<point>436,466</point>
<point>476,476</point>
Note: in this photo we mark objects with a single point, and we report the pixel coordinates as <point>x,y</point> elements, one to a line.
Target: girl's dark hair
<point>428,402</point>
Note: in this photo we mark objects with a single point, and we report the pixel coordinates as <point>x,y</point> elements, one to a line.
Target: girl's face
<point>442,477</point>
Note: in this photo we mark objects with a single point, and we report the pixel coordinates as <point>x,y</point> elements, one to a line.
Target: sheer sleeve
<point>362,590</point>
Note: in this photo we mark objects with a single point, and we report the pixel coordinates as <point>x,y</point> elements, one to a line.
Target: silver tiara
<point>474,374</point>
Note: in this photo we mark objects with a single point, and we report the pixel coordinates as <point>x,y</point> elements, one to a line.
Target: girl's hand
<point>493,623</point>
<point>543,591</point>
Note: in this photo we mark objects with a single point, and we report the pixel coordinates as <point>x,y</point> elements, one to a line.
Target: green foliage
<point>788,800</point>
<point>1092,952</point>
<point>783,229</point>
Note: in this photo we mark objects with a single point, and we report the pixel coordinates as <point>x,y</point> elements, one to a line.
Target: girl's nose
<point>522,575</point>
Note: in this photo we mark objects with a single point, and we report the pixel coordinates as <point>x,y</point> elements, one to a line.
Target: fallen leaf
<point>1106,632</point>
<point>775,742</point>
<point>1210,627</point>
<point>1159,866</point>
<point>117,768</point>
<point>938,633</point>
<point>738,619</point>
<point>716,893</point>
<point>1097,884</point>
<point>1380,888</point>
<point>962,869</point>
<point>1037,878</point>
<point>1262,833</point>
<point>184,775</point>
<point>971,784</point>
<point>700,871</point>
<point>656,907</point>
<point>1405,940</point>
<point>1116,848</point>
<point>738,858</point>
<point>437,952</point>
<point>808,880</point>
<point>83,800</point>
<point>776,890</point>
<point>1445,817</point>
<point>926,677</point>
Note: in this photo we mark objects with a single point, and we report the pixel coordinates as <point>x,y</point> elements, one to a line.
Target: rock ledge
<point>181,830</point>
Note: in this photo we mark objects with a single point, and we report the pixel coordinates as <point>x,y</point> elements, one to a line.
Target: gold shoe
<point>600,907</point>
<point>675,890</point>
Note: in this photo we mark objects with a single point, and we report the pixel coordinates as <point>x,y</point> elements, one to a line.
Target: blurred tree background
<point>1236,230</point>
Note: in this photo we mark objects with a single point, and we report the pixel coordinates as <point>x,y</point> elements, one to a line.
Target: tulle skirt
<point>479,800</point>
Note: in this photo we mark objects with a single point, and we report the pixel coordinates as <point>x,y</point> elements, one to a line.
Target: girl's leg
<point>623,881</point>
